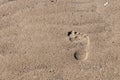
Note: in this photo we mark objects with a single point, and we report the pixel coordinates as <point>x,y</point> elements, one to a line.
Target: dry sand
<point>59,39</point>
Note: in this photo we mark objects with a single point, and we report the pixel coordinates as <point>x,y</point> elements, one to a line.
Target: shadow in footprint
<point>53,1</point>
<point>79,55</point>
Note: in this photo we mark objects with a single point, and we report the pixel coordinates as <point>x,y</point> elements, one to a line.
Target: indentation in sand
<point>83,44</point>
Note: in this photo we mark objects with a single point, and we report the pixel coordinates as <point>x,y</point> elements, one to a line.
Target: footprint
<point>83,44</point>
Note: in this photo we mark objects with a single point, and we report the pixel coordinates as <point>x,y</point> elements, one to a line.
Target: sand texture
<point>59,39</point>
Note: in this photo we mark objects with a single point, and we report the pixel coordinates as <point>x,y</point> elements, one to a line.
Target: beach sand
<point>59,39</point>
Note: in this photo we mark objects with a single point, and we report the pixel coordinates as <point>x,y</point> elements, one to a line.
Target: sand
<point>59,39</point>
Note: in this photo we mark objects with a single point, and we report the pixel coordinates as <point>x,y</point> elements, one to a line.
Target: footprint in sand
<point>82,42</point>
